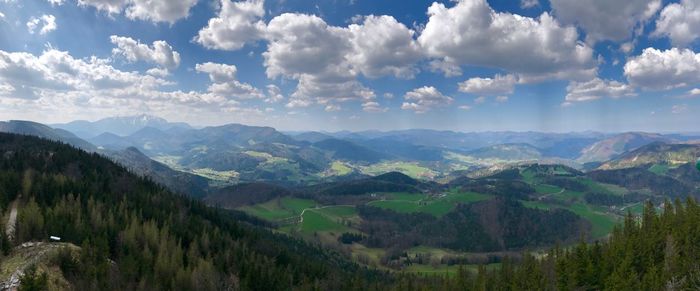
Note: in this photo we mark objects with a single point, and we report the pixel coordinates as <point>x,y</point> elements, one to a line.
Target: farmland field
<point>316,222</point>
<point>437,206</point>
<point>280,208</point>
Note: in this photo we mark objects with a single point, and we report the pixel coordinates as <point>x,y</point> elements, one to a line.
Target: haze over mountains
<point>234,152</point>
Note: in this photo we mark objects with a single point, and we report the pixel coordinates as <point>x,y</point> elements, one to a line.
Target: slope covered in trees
<point>134,234</point>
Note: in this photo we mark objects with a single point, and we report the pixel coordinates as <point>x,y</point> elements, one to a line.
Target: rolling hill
<point>657,153</point>
<point>43,131</point>
<point>611,147</point>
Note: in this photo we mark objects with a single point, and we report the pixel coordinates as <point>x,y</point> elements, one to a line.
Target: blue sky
<point>470,65</point>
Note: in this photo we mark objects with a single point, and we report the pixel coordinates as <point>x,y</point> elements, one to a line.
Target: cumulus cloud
<point>169,11</point>
<point>383,46</point>
<point>694,92</point>
<point>223,78</point>
<point>55,70</point>
<point>472,33</point>
<point>236,24</point>
<point>109,6</point>
<point>596,89</point>
<point>680,22</point>
<point>424,99</point>
<point>447,68</point>
<point>373,107</point>
<point>274,94</point>
<point>160,52</point>
<point>54,82</point>
<point>56,2</point>
<point>657,69</point>
<point>305,48</point>
<point>44,24</point>
<point>605,19</point>
<point>500,84</point>
<point>529,3</point>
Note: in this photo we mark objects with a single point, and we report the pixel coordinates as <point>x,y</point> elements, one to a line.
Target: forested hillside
<point>134,234</point>
<point>120,231</point>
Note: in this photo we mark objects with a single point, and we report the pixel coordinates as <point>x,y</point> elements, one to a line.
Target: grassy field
<point>602,223</point>
<point>603,188</point>
<point>280,208</point>
<point>658,169</point>
<point>341,211</point>
<point>340,169</point>
<point>546,189</point>
<point>317,222</point>
<point>445,269</point>
<point>437,206</point>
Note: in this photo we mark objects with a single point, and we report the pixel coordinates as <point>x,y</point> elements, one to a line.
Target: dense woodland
<point>495,225</point>
<point>134,234</point>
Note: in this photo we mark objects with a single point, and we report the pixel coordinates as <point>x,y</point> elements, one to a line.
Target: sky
<point>468,65</point>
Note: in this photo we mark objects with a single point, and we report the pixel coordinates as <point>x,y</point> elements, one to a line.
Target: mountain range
<point>228,154</point>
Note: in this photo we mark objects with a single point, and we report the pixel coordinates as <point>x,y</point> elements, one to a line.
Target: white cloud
<point>605,19</point>
<point>327,60</point>
<point>56,2</point>
<point>45,24</point>
<point>500,84</point>
<point>383,46</point>
<point>160,52</point>
<point>160,10</point>
<point>472,33</point>
<point>596,89</point>
<point>223,78</point>
<point>480,100</point>
<point>54,83</point>
<point>304,48</point>
<point>448,68</point>
<point>158,72</point>
<point>694,92</point>
<point>274,94</point>
<point>501,99</point>
<point>680,22</point>
<point>679,108</point>
<point>168,11</point>
<point>236,24</point>
<point>373,107</point>
<point>529,3</point>
<point>656,69</point>
<point>57,71</point>
<point>424,99</point>
<point>109,6</point>
<point>332,108</point>
<point>465,107</point>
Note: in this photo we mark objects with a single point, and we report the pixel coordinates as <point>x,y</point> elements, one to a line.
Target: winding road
<point>301,220</point>
<point>550,194</point>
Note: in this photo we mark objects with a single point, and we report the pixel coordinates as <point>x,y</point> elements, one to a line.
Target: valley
<point>405,204</point>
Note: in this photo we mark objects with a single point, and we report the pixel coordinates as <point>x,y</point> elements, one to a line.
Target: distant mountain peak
<point>120,125</point>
